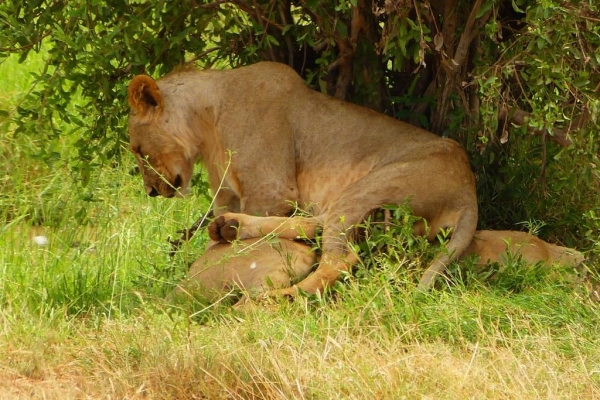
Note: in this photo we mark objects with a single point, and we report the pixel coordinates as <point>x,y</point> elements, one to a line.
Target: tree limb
<point>347,49</point>
<point>450,73</point>
<point>288,40</point>
<point>214,4</point>
<point>27,46</point>
<point>202,54</point>
<point>559,136</point>
<point>469,33</point>
<point>255,12</point>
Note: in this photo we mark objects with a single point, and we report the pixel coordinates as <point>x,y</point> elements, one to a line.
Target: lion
<point>490,247</point>
<point>251,266</point>
<point>256,265</point>
<point>272,145</point>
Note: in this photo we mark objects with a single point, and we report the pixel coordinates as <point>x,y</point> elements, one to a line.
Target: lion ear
<point>144,95</point>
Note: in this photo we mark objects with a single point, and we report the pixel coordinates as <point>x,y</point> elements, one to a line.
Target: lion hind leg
<point>436,203</point>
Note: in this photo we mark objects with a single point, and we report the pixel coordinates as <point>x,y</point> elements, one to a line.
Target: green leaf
<point>581,82</point>
<point>516,4</point>
<point>342,29</point>
<point>485,7</point>
<point>286,29</point>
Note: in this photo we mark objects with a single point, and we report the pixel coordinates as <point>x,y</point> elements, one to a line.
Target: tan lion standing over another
<point>292,145</point>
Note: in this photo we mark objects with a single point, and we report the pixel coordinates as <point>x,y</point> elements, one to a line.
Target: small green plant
<point>388,245</point>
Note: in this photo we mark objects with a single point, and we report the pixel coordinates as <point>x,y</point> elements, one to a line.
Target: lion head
<point>155,138</point>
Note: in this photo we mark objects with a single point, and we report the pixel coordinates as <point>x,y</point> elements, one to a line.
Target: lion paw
<point>223,231</point>
<point>245,303</point>
<point>286,293</point>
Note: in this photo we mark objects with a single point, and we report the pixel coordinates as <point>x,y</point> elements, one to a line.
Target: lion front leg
<point>330,268</point>
<point>232,226</point>
<point>337,257</point>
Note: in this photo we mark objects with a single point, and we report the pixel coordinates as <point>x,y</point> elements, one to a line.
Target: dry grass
<point>264,356</point>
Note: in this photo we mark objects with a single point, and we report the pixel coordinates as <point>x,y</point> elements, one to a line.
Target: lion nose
<point>153,192</point>
<point>177,182</point>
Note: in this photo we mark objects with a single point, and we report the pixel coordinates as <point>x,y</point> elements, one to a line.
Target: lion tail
<point>462,235</point>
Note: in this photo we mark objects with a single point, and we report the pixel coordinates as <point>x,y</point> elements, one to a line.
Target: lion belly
<point>251,265</point>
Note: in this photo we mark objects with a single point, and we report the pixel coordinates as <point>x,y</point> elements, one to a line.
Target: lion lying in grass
<point>252,265</point>
<point>255,265</point>
<point>493,246</point>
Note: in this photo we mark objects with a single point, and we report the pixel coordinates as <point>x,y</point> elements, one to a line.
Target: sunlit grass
<point>84,314</point>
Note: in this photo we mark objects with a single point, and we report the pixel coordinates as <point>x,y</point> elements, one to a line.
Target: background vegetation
<point>515,82</point>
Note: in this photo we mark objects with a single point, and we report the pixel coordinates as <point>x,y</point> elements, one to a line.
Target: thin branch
<point>204,53</point>
<point>452,67</point>
<point>288,40</point>
<point>256,13</point>
<point>25,47</point>
<point>449,24</point>
<point>214,4</point>
<point>559,136</point>
<point>542,178</point>
<point>251,10</point>
<point>347,49</point>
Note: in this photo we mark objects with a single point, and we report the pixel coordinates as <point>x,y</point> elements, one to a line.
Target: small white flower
<point>253,265</point>
<point>40,240</point>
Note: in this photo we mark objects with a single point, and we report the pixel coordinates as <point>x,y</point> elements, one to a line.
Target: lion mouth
<point>177,183</point>
<point>166,189</point>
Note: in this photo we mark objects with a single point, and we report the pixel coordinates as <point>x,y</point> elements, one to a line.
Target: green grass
<point>84,316</point>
